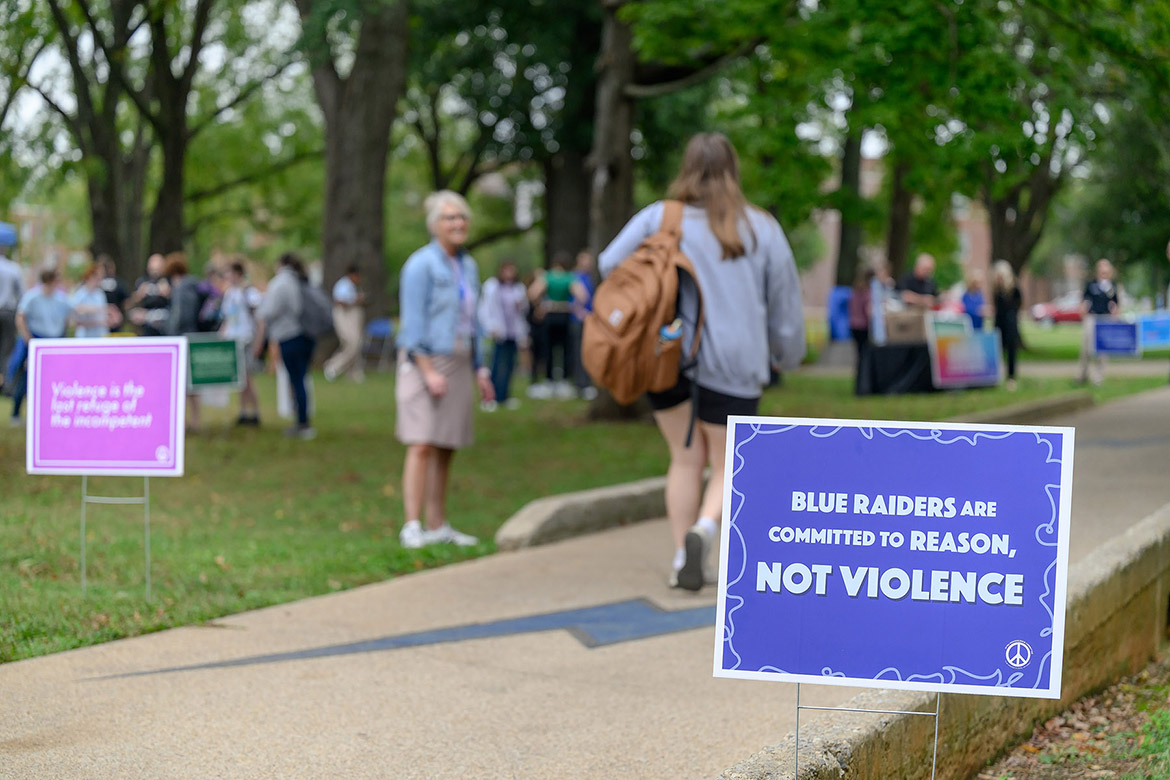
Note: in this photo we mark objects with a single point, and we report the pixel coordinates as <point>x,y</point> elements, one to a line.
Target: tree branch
<point>70,120</point>
<point>327,81</point>
<point>240,97</point>
<point>472,156</point>
<point>80,79</point>
<point>114,60</point>
<point>248,178</point>
<point>234,211</point>
<point>202,16</point>
<point>489,238</point>
<point>656,81</point>
<point>20,72</point>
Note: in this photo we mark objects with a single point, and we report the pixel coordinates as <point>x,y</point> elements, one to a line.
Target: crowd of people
<point>170,301</point>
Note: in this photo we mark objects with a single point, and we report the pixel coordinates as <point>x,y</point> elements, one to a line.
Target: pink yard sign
<point>106,406</point>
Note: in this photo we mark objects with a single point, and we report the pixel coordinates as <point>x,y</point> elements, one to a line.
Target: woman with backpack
<point>440,362</point>
<point>752,319</point>
<point>279,318</point>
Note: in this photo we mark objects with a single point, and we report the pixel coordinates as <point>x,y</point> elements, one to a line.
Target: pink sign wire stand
<point>144,500</point>
<point>107,407</point>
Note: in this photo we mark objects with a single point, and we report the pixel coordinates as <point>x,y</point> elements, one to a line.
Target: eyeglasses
<point>453,217</point>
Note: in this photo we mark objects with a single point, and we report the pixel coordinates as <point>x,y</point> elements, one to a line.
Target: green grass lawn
<point>259,519</point>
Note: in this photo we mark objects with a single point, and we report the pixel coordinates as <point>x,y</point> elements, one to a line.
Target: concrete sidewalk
<point>417,678</point>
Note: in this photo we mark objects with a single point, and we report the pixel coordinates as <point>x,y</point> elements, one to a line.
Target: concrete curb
<point>567,515</point>
<point>1032,412</point>
<point>1115,620</point>
<point>553,518</point>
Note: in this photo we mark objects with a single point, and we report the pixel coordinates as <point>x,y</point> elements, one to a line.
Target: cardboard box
<point>906,327</point>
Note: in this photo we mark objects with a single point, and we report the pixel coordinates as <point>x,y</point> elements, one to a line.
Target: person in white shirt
<point>503,310</point>
<point>91,315</point>
<point>11,290</point>
<point>240,300</point>
<point>348,322</point>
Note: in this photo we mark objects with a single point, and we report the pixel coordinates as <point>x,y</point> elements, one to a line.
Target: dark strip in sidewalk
<point>605,624</point>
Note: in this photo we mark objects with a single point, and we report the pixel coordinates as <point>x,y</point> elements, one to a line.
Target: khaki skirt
<point>442,422</point>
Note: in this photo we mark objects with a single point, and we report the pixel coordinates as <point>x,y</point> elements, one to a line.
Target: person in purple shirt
<point>503,311</point>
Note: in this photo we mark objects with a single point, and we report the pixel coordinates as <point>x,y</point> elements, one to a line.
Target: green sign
<point>214,363</point>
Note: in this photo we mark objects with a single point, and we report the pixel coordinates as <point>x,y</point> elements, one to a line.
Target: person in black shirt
<point>116,292</point>
<point>1100,301</point>
<point>149,305</point>
<point>918,287</point>
<point>1006,300</point>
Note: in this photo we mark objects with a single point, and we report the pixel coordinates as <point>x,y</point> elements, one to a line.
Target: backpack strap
<point>672,225</point>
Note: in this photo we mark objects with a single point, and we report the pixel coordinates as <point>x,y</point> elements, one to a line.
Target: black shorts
<point>714,408</point>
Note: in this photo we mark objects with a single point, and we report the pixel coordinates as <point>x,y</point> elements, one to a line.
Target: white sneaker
<point>446,534</point>
<point>540,391</point>
<point>411,535</point>
<point>489,406</point>
<point>564,391</point>
<point>697,544</point>
<point>588,393</point>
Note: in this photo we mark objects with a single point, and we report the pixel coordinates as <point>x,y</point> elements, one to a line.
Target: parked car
<point>1066,308</point>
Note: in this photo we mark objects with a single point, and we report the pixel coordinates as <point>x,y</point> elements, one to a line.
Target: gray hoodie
<point>752,315</point>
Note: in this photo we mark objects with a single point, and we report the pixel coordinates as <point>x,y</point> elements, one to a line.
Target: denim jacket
<point>428,303</point>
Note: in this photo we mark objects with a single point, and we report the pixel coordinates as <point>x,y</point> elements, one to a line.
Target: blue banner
<point>1154,330</point>
<point>921,556</point>
<point>1116,337</point>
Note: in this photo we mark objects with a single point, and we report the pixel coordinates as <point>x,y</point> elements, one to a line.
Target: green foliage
<point>1122,210</point>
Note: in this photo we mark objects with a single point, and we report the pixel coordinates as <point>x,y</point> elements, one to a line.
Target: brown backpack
<point>622,344</point>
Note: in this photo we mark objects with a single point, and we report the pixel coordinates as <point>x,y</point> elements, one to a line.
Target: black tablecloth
<point>893,369</point>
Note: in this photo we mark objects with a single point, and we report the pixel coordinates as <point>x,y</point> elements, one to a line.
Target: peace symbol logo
<point>1018,654</point>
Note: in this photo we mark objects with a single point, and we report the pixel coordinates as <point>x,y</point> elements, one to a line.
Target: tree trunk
<point>104,195</point>
<point>1019,216</point>
<point>849,201</point>
<point>359,111</point>
<point>610,164</point>
<point>132,261</point>
<point>166,221</point>
<point>566,204</point>
<point>355,183</point>
<point>898,238</point>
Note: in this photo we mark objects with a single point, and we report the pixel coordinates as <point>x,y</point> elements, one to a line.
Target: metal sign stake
<point>144,499</point>
<point>799,707</point>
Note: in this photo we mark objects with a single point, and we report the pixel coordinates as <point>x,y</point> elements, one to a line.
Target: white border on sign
<point>1059,593</point>
<point>175,346</point>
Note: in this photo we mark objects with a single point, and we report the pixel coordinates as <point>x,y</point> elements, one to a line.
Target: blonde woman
<point>1006,299</point>
<point>440,362</point>
<point>753,319</point>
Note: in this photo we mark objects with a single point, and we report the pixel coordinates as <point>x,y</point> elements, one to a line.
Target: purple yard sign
<point>106,406</point>
<point>920,556</point>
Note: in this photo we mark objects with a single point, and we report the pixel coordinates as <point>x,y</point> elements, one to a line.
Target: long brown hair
<point>709,177</point>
